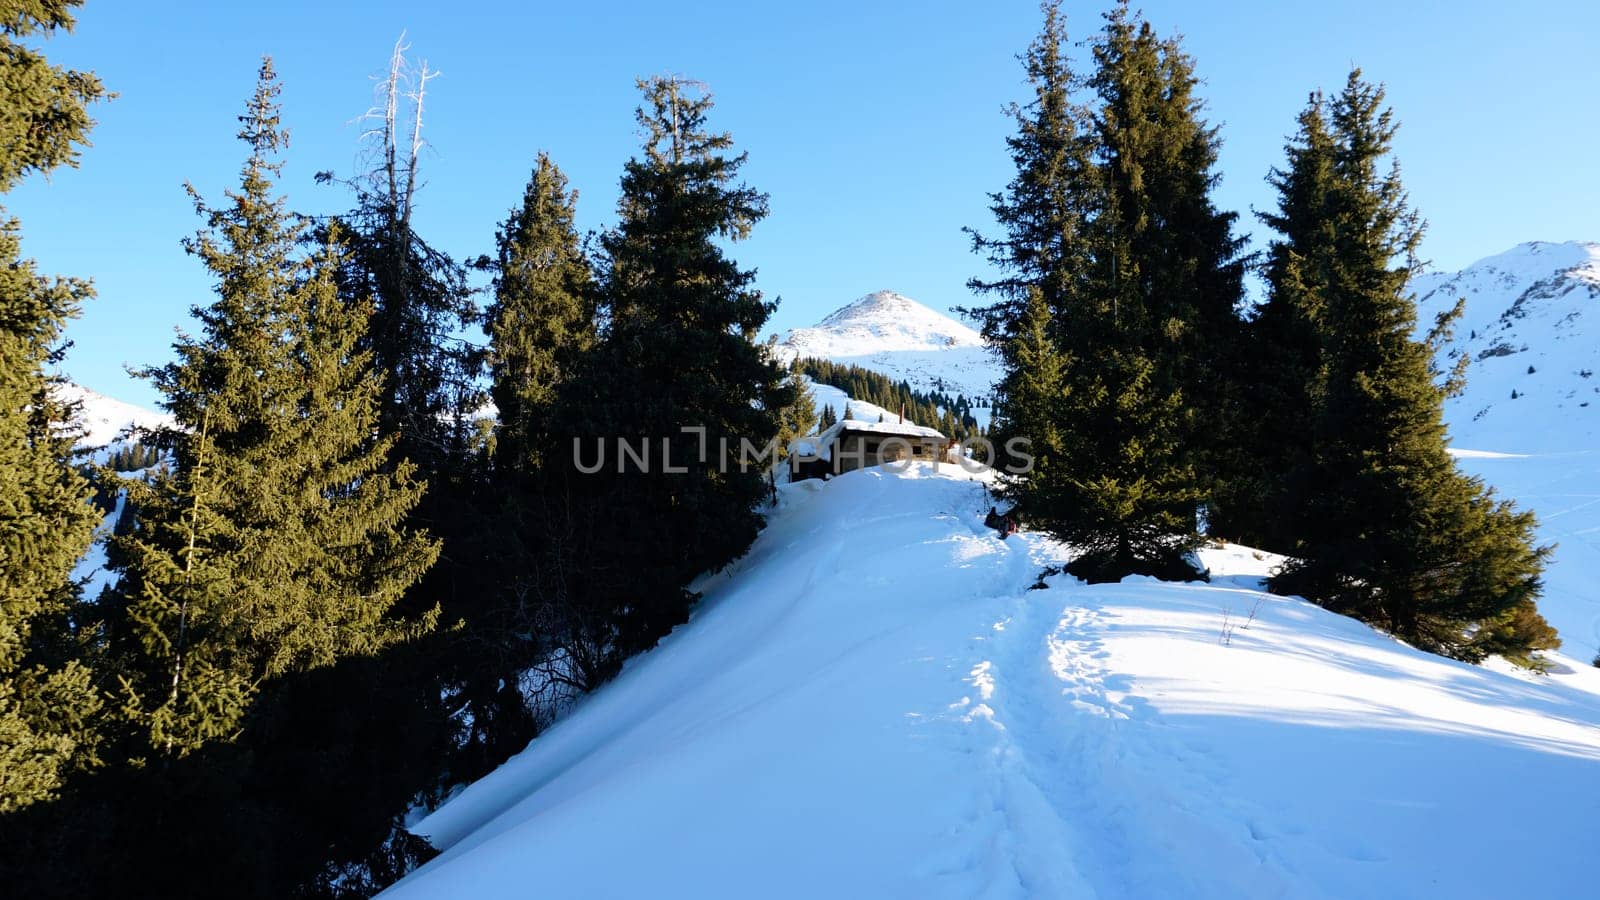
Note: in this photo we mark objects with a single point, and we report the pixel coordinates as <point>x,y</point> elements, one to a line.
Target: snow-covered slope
<point>874,704</point>
<point>1532,326</point>
<point>895,335</point>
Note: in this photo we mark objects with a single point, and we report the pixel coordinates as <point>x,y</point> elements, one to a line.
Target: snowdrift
<point>873,703</point>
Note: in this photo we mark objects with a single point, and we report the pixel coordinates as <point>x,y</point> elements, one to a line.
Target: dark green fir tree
<point>798,418</point>
<point>1263,508</point>
<point>1042,248</point>
<point>541,325</point>
<point>420,295</point>
<point>1167,256</point>
<point>1043,256</point>
<point>679,369</point>
<point>1389,530</point>
<point>1106,304</point>
<point>541,322</point>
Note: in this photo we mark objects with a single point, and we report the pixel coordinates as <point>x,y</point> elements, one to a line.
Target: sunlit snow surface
<point>873,704</point>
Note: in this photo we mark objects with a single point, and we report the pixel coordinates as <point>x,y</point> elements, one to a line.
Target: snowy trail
<point>874,704</point>
<point>1076,739</point>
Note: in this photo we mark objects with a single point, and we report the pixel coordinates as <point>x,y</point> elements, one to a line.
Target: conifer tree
<point>541,326</point>
<point>276,543</point>
<point>1044,210</point>
<point>1168,256</point>
<point>798,418</point>
<point>542,317</point>
<point>49,706</point>
<point>431,391</point>
<point>679,353</point>
<point>1089,298</point>
<point>1391,531</point>
<point>1262,505</point>
<point>828,419</point>
<point>420,294</point>
<point>1034,410</point>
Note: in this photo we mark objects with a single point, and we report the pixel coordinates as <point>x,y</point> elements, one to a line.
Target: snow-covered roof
<point>891,429</point>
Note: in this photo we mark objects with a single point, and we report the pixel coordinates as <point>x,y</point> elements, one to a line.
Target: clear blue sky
<point>876,127</point>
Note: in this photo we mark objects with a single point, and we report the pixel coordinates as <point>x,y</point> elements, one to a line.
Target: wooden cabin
<point>852,444</point>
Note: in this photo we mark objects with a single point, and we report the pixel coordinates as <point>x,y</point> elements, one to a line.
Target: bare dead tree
<point>388,118</point>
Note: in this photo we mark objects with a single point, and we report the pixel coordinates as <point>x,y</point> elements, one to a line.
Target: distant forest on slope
<point>936,409</point>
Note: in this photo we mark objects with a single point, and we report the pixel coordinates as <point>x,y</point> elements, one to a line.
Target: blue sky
<point>875,127</point>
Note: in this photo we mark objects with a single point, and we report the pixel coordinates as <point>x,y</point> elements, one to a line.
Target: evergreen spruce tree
<point>541,326</point>
<point>1168,257</point>
<point>679,353</point>
<point>431,393</point>
<point>1034,410</point>
<point>1263,507</point>
<point>798,418</point>
<point>542,318</point>
<point>828,419</point>
<point>276,544</point>
<point>1391,531</point>
<point>1044,210</point>
<point>49,707</point>
<point>1106,309</point>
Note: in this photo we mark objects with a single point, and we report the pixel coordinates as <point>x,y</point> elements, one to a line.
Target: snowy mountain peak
<point>891,333</point>
<point>879,322</point>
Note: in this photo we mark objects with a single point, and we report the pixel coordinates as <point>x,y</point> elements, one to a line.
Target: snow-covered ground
<point>873,703</point>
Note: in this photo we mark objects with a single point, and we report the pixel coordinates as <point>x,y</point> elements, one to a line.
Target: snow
<point>1563,488</point>
<point>861,411</point>
<point>891,427</point>
<point>873,703</point>
<point>93,571</point>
